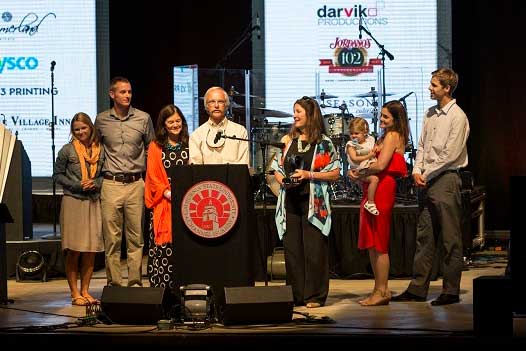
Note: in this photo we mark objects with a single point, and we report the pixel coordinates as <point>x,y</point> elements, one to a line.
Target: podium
<point>223,261</point>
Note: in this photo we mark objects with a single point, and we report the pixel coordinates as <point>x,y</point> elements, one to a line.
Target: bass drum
<point>272,183</point>
<point>337,125</point>
<point>270,133</point>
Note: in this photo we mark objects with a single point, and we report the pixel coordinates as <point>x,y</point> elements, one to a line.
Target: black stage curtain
<point>345,259</point>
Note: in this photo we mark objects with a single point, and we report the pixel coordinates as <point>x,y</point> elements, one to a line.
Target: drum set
<point>266,137</point>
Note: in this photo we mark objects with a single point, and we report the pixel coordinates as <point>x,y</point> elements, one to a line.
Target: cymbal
<point>371,94</point>
<point>265,112</point>
<point>233,92</point>
<point>326,96</point>
<point>235,104</point>
<point>251,96</point>
<point>327,106</point>
<point>364,115</point>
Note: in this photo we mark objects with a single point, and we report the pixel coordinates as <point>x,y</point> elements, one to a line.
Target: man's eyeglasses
<point>214,102</point>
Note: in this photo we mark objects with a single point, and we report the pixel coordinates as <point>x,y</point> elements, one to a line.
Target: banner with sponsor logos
<point>345,52</point>
<point>33,34</point>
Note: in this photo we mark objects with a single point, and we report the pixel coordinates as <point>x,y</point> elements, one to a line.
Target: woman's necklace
<point>300,147</point>
<point>175,147</point>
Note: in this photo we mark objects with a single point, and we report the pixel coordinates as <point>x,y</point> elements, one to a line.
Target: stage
<point>42,314</point>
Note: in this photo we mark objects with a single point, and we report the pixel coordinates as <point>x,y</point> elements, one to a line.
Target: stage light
<point>31,265</point>
<point>196,302</point>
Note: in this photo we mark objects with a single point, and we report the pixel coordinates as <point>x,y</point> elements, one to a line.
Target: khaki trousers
<point>123,209</point>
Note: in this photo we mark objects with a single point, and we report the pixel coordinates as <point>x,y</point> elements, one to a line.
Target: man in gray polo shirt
<point>125,133</point>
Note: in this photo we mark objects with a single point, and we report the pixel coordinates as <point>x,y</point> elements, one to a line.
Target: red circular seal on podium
<point>209,209</point>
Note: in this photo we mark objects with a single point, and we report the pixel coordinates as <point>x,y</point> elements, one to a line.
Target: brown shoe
<point>313,304</point>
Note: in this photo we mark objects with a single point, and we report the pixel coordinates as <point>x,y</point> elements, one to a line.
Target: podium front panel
<point>226,261</point>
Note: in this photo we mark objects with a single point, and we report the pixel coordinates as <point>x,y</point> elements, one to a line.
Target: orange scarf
<point>155,184</point>
<point>82,153</point>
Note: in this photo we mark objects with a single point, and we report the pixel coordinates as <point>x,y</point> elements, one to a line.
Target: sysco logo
<point>21,63</point>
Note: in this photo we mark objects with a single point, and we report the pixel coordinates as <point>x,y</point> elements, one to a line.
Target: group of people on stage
<point>101,171</point>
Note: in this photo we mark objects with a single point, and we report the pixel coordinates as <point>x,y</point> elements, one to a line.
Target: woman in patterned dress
<point>170,149</point>
<point>304,170</point>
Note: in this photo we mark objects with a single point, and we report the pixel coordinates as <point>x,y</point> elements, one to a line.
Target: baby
<point>360,155</point>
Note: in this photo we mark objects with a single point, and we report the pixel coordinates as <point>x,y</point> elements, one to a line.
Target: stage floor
<point>41,311</point>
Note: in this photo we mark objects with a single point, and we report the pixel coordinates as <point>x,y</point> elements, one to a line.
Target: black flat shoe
<point>445,299</point>
<point>406,296</point>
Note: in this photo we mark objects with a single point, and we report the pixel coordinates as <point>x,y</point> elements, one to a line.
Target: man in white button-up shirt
<point>442,152</point>
<point>208,144</point>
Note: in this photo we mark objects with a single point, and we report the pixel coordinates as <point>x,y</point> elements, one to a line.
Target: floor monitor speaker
<point>258,305</point>
<point>134,305</point>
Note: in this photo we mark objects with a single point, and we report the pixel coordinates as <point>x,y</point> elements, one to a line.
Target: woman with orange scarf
<point>170,149</point>
<point>78,170</point>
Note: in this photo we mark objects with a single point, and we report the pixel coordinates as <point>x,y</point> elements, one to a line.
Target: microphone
<point>360,28</point>
<point>53,63</point>
<point>405,96</point>
<point>258,27</point>
<point>218,136</point>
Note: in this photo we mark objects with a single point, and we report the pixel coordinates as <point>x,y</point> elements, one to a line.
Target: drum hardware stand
<point>412,151</point>
<point>263,190</point>
<point>229,112</point>
<point>409,190</point>
<point>263,145</point>
<point>322,98</point>
<point>375,113</point>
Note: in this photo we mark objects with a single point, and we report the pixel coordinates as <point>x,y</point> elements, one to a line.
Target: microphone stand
<point>383,53</point>
<point>263,190</point>
<point>53,122</point>
<point>246,35</point>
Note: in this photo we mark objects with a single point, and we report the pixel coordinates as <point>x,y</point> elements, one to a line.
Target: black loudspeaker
<point>131,305</point>
<point>258,305</point>
<point>492,306</point>
<point>517,256</point>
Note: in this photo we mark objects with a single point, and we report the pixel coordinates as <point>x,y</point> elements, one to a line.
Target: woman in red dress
<point>375,230</point>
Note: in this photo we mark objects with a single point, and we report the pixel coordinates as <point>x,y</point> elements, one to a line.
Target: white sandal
<point>371,208</point>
